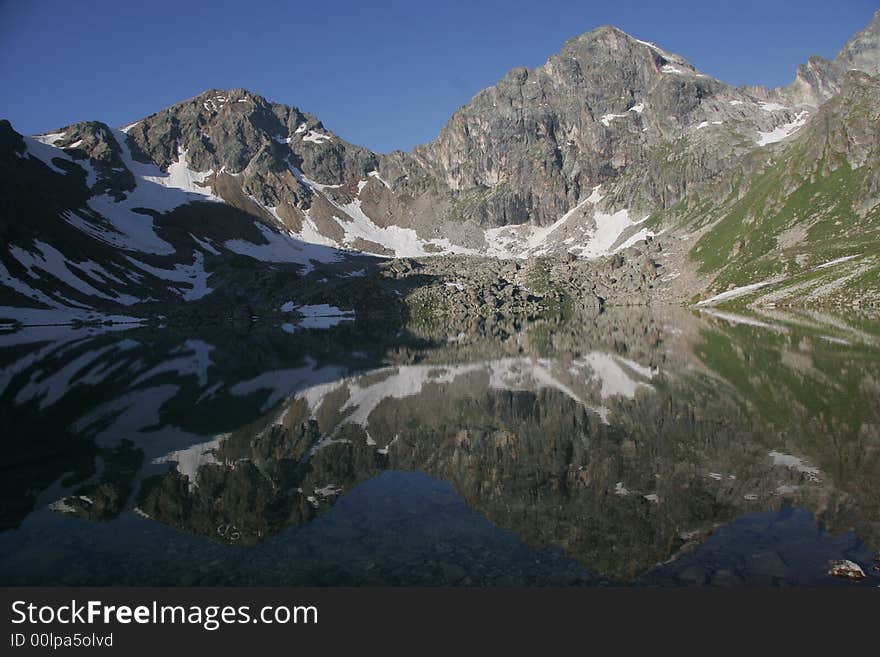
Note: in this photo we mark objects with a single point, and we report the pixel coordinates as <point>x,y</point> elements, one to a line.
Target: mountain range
<point>616,173</point>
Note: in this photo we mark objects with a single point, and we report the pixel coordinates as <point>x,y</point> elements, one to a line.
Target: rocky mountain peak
<point>605,36</point>
<point>535,145</point>
<point>816,81</point>
<point>618,53</point>
<point>237,132</point>
<point>820,79</point>
<point>862,52</point>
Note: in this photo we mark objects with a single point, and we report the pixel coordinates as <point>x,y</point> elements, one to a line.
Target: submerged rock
<point>846,569</point>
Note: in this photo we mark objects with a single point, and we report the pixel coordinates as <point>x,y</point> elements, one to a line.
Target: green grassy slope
<point>796,205</point>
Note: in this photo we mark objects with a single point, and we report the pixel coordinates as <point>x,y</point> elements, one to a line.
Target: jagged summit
<point>615,49</point>
<point>820,79</point>
<point>614,38</point>
<point>862,52</point>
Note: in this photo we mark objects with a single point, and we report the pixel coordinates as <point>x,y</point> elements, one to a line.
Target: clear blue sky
<point>384,74</point>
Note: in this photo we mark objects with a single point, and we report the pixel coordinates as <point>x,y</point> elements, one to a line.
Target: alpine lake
<point>625,447</point>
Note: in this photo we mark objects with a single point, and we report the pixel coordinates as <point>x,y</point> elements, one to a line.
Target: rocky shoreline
<point>468,291</point>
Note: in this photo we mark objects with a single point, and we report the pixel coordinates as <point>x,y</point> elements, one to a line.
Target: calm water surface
<point>624,448</point>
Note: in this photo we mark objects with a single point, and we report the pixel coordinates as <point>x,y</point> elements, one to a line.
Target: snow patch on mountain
<point>836,261</point>
<point>669,68</point>
<point>772,107</point>
<point>310,233</point>
<point>404,242</point>
<point>316,137</point>
<point>737,292</point>
<point>606,119</point>
<point>793,462</point>
<point>584,232</point>
<point>156,190</point>
<point>180,176</point>
<point>216,103</point>
<point>188,461</point>
<point>375,174</point>
<point>279,247</point>
<point>49,260</point>
<point>42,149</point>
<point>192,275</point>
<point>663,53</point>
<point>783,131</point>
<point>308,182</point>
<point>57,309</point>
<point>609,229</point>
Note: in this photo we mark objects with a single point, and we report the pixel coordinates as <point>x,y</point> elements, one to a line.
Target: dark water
<point>624,448</point>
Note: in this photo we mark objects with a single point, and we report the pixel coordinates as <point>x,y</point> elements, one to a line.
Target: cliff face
<point>607,110</point>
<point>820,79</point>
<point>862,52</point>
<point>257,152</point>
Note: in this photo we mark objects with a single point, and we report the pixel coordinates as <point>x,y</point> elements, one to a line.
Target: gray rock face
<point>93,141</point>
<point>862,52</point>
<point>607,110</point>
<point>254,149</point>
<point>232,131</point>
<point>818,79</point>
<point>466,289</point>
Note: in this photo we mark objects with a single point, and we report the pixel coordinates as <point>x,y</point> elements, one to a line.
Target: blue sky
<point>382,74</point>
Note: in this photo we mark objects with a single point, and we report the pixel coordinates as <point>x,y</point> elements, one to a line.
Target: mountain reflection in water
<point>628,447</point>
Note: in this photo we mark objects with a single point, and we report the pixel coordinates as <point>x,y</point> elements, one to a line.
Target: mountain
<point>614,147</point>
<point>609,110</point>
<point>819,79</point>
